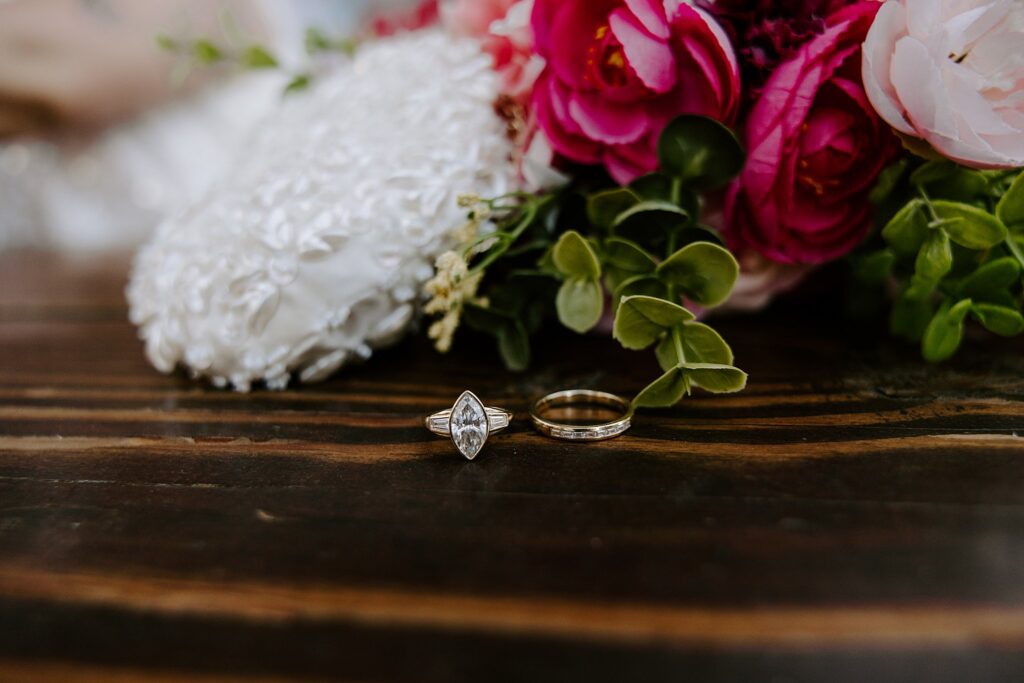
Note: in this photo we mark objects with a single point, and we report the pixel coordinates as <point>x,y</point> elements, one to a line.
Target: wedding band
<point>468,422</point>
<point>577,397</point>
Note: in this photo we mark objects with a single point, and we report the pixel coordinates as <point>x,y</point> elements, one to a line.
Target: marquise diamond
<point>468,424</point>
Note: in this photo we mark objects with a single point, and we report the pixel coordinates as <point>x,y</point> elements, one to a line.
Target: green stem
<point>936,221</point>
<point>677,340</point>
<point>1015,249</point>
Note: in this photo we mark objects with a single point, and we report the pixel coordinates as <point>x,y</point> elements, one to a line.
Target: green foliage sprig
<point>241,54</point>
<point>954,249</point>
<point>640,249</point>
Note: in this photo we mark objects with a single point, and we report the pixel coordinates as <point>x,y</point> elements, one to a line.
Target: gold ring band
<point>571,432</point>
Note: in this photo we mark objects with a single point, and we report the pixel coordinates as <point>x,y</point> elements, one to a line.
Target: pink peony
<point>503,27</point>
<point>619,70</point>
<point>951,72</point>
<point>815,148</point>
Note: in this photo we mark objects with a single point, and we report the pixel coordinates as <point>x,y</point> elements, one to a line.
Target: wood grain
<point>855,514</point>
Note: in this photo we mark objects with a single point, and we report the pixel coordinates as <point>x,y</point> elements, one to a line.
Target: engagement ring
<point>469,423</point>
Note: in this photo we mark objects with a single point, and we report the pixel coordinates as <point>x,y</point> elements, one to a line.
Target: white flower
<point>314,251</point>
<point>951,72</point>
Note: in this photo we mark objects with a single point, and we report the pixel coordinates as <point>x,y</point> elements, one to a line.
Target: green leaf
<point>991,279</point>
<point>300,82</point>
<point>1004,321</point>
<point>663,392</point>
<point>573,256</point>
<point>484,319</point>
<point>640,285</point>
<point>969,226</point>
<point>705,272</point>
<point>166,42</point>
<point>715,377</point>
<point>514,346</point>
<point>935,258</point>
<point>628,256</point>
<point>579,303</point>
<point>909,318</point>
<point>906,231</point>
<point>874,268</point>
<point>701,151</point>
<point>257,57</point>
<point>603,207</point>
<point>1010,209</point>
<point>945,179</point>
<point>701,344</point>
<point>640,320</point>
<point>653,186</point>
<point>887,182</point>
<point>651,218</point>
<point>944,332</point>
<point>666,353</point>
<point>206,52</point>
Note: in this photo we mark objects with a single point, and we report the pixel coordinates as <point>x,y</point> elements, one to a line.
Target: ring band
<point>571,432</point>
<point>468,422</point>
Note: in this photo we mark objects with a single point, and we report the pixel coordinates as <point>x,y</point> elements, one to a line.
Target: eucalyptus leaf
<point>991,279</point>
<point>651,218</point>
<point>257,57</point>
<point>910,317</point>
<point>905,232</point>
<point>968,225</point>
<point>628,256</point>
<point>888,180</point>
<point>574,257</point>
<point>579,304</point>
<point>874,268</point>
<point>943,335</point>
<point>704,272</point>
<point>666,353</point>
<point>702,344</point>
<point>1001,320</point>
<point>945,179</point>
<point>664,392</point>
<point>715,377</point>
<point>1011,207</point>
<point>640,285</point>
<point>640,320</point>
<point>603,207</point>
<point>935,258</point>
<point>701,151</point>
<point>653,186</point>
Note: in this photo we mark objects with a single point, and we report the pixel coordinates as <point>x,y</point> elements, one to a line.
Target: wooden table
<point>855,515</point>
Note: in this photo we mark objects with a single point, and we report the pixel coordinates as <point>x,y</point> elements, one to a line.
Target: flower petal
<point>606,121</point>
<point>650,57</point>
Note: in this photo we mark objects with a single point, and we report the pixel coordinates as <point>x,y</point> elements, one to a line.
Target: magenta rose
<point>815,148</point>
<point>619,70</point>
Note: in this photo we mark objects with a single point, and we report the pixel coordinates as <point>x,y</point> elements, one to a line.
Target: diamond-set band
<point>576,398</point>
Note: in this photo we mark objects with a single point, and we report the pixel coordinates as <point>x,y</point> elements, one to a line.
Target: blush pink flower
<point>503,28</point>
<point>951,72</point>
<point>619,70</point>
<point>815,148</point>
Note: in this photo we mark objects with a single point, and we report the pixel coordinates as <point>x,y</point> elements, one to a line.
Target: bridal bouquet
<point>655,159</point>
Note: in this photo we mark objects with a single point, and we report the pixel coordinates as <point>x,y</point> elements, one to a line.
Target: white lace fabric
<point>313,251</point>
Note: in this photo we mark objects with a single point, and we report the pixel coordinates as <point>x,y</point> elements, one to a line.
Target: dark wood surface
<point>854,515</point>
